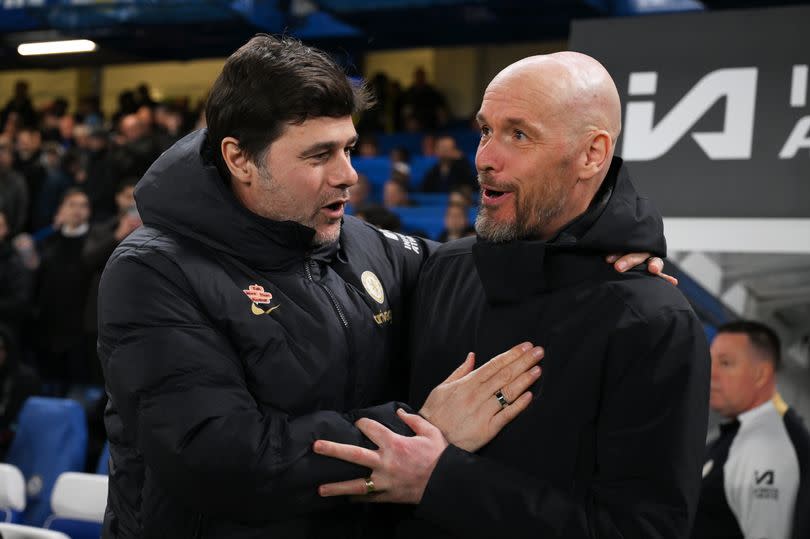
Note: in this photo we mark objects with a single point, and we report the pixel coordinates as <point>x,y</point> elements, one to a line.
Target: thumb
<point>462,370</point>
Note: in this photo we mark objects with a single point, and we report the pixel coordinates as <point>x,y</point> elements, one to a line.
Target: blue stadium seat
<point>78,503</point>
<point>422,220</point>
<point>12,493</point>
<point>51,438</point>
<point>103,466</point>
<point>410,141</point>
<point>434,200</point>
<point>377,169</point>
<point>419,167</point>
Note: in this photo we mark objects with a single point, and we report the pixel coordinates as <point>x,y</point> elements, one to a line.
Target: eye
<point>323,156</point>
<point>349,150</point>
<point>519,135</point>
<point>485,131</point>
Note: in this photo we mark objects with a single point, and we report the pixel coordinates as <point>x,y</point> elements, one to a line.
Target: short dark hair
<point>271,82</point>
<point>762,337</point>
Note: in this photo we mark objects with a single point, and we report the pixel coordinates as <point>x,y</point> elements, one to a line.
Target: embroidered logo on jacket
<point>373,286</point>
<point>258,295</point>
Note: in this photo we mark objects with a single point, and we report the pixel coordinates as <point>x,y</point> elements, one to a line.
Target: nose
<point>487,157</point>
<point>343,175</point>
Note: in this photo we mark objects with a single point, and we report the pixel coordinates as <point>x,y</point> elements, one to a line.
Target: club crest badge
<point>259,296</point>
<point>373,286</point>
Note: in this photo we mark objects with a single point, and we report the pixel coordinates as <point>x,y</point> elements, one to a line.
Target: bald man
<point>612,440</point>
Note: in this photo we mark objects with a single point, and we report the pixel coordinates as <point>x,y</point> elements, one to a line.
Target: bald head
<point>548,130</point>
<point>578,86</point>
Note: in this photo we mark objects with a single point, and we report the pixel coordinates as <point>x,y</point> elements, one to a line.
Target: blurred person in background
<point>16,283</point>
<point>20,104</point>
<point>358,194</point>
<point>18,381</point>
<point>756,474</point>
<point>367,146</point>
<point>452,171</point>
<point>28,163</point>
<point>63,346</point>
<point>14,199</point>
<point>395,195</point>
<point>423,105</point>
<point>456,223</point>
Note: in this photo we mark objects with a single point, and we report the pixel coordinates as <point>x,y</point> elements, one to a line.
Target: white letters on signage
<point>799,138</point>
<point>644,141</point>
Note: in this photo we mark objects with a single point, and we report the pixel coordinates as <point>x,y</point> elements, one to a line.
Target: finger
<point>353,487</point>
<point>374,431</point>
<point>655,265</point>
<point>418,424</point>
<point>669,278</point>
<point>462,370</point>
<point>349,453</point>
<point>494,365</point>
<point>631,260</point>
<point>509,413</point>
<point>523,382</point>
<point>511,372</point>
<point>610,259</point>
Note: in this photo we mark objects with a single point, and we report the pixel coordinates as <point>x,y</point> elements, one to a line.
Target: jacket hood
<point>184,193</point>
<point>619,220</point>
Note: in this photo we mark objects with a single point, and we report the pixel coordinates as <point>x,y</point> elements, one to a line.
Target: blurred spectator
<point>428,145</point>
<point>57,181</point>
<point>752,485</point>
<point>378,117</point>
<point>401,172</point>
<point>451,171</point>
<point>14,199</point>
<point>359,193</point>
<point>101,175</point>
<point>424,104</point>
<point>367,146</point>
<point>17,382</point>
<point>462,197</point>
<point>143,96</point>
<point>62,283</point>
<point>127,104</point>
<point>395,195</point>
<point>102,240</point>
<point>456,223</point>
<point>12,125</point>
<point>169,124</point>
<point>20,104</point>
<point>400,154</point>
<point>89,111</point>
<point>16,283</point>
<point>380,217</point>
<point>27,163</point>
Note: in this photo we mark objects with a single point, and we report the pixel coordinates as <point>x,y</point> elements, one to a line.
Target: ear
<point>764,373</point>
<point>240,166</point>
<point>599,148</point>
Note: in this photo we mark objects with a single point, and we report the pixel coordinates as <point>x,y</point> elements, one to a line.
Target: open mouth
<point>492,193</point>
<point>335,206</point>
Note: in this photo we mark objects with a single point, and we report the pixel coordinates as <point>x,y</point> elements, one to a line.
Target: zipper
<point>351,382</point>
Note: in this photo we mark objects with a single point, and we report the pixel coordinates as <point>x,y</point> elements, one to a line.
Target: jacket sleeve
<point>649,442</point>
<point>181,393</point>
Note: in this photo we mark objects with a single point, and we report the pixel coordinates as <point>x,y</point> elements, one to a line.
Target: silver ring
<point>370,488</point>
<point>501,399</point>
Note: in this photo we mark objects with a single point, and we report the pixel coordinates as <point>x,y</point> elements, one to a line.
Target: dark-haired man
<point>756,469</point>
<point>248,317</point>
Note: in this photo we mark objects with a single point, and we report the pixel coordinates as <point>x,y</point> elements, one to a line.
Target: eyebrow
<point>511,122</point>
<point>327,145</point>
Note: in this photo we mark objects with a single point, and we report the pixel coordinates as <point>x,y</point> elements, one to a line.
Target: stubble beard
<point>530,219</point>
<point>278,198</point>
